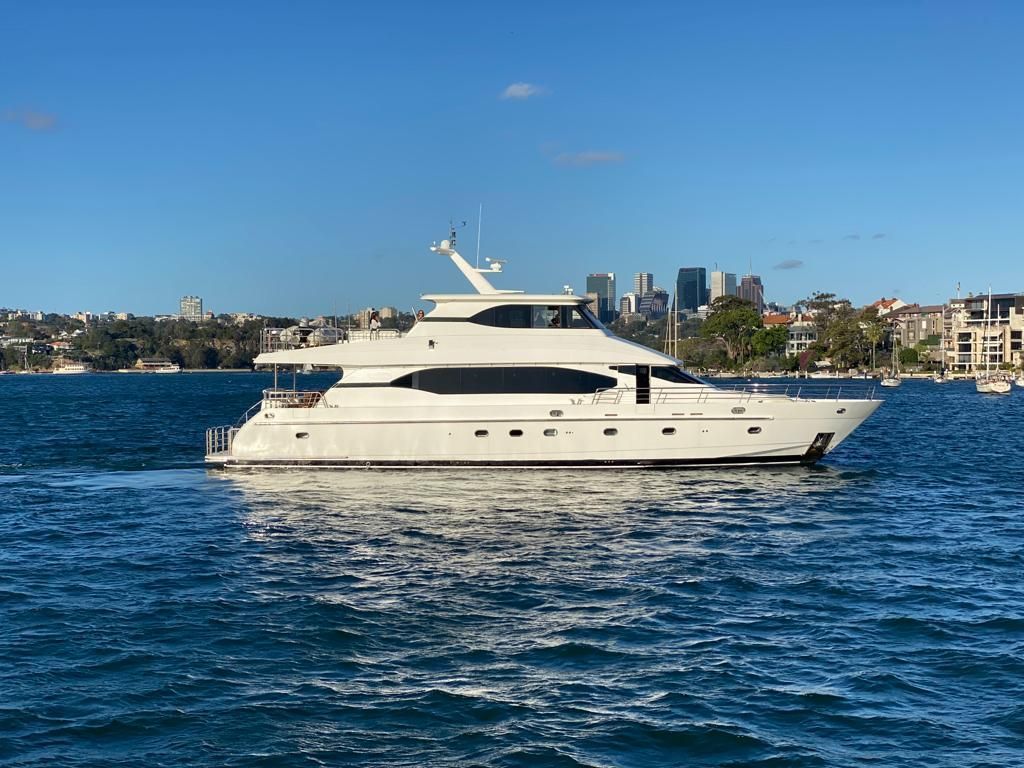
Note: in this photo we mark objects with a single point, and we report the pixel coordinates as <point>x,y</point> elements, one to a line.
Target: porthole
<point>556,414</point>
<point>841,411</point>
<point>754,431</point>
<point>668,431</point>
<point>481,433</point>
<point>515,433</point>
<point>302,435</point>
<point>550,432</point>
<point>611,431</point>
<point>739,409</point>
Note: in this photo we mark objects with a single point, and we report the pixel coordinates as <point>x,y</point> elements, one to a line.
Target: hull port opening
<point>818,447</point>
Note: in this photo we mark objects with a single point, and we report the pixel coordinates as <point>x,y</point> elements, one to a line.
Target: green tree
<point>769,341</point>
<point>909,356</point>
<point>847,344</point>
<point>841,336</point>
<point>733,322</point>
<point>874,330</point>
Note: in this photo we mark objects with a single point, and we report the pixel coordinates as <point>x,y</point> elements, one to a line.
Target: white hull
<point>891,382</point>
<point>773,430</point>
<point>993,387</point>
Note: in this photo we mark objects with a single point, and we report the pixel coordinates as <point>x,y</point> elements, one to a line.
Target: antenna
<point>451,232</point>
<point>479,225</point>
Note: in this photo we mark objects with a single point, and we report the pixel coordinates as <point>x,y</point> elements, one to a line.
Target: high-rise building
<point>691,288</point>
<point>722,284</point>
<point>603,284</point>
<point>191,308</point>
<point>752,290</point>
<point>643,282</point>
<point>628,304</point>
<point>654,303</point>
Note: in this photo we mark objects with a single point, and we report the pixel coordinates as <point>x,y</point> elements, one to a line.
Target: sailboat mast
<point>984,342</point>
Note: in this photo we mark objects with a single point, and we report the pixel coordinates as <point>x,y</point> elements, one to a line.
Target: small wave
<point>572,653</point>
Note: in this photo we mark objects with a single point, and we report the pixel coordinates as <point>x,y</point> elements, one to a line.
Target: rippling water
<point>865,612</point>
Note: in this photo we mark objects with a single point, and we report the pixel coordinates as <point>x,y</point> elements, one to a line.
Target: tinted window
<point>535,316</point>
<point>511,316</point>
<point>480,381</point>
<point>663,372</point>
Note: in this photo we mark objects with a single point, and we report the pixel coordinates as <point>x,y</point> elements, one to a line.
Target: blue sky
<point>298,158</point>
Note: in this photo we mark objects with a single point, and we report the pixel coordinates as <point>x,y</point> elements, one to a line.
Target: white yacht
<point>152,365</point>
<point>65,367</point>
<point>504,378</point>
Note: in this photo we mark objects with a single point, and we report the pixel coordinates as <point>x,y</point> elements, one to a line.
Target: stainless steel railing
<point>219,439</point>
<point>739,393</point>
<point>299,337</point>
<point>291,398</point>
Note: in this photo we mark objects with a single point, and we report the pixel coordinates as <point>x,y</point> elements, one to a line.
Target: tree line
<point>734,336</point>
<point>120,343</point>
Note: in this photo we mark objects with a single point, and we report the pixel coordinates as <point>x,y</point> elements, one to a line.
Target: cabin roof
<point>500,299</point>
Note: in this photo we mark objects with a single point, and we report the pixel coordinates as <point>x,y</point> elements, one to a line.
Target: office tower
<point>691,288</point>
<point>722,284</point>
<point>628,304</point>
<point>654,303</point>
<point>191,308</point>
<point>751,290</point>
<point>603,284</point>
<point>643,282</point>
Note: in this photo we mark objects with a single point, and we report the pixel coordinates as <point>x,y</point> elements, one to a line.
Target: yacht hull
<point>772,431</point>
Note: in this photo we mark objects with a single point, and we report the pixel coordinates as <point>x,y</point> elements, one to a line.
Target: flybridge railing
<point>739,393</point>
<point>300,337</point>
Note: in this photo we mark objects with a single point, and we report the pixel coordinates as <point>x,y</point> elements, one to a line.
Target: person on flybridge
<point>374,325</point>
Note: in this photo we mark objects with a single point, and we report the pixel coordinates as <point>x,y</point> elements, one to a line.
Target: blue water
<point>869,611</point>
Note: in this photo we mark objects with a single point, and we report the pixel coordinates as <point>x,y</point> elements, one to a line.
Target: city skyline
<point>145,159</point>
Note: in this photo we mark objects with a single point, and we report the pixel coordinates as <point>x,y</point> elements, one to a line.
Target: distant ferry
<point>67,367</point>
<point>508,379</point>
<point>152,365</point>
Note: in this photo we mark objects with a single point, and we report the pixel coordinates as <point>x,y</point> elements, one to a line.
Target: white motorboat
<point>1019,381</point>
<point>152,365</point>
<point>67,367</point>
<point>510,379</point>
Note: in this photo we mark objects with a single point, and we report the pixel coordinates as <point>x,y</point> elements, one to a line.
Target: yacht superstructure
<point>503,378</point>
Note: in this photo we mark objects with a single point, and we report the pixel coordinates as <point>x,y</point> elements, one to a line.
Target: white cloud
<point>522,91</point>
<point>31,119</point>
<point>586,159</point>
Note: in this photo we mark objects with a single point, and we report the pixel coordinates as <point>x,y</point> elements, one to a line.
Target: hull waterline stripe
<point>553,464</point>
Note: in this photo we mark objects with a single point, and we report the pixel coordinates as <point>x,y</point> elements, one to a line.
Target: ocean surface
<point>866,612</point>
